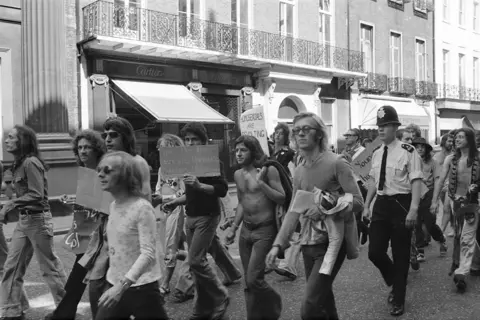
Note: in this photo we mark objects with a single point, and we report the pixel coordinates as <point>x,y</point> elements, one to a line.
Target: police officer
<point>397,173</point>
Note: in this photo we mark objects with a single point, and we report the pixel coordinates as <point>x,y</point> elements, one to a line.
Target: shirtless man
<point>259,192</point>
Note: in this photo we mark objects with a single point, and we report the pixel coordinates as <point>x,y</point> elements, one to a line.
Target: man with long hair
<point>397,182</point>
<point>34,230</point>
<point>88,148</point>
<point>431,173</point>
<point>119,136</point>
<point>324,170</point>
<point>463,172</point>
<point>259,192</point>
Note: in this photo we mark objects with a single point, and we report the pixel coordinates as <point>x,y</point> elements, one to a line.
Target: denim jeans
<point>292,255</point>
<point>427,218</point>
<point>210,290</point>
<point>143,302</point>
<point>67,308</point>
<point>319,301</point>
<point>262,301</point>
<point>468,245</point>
<point>34,232</point>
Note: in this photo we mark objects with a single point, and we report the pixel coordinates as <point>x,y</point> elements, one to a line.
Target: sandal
<point>164,290</point>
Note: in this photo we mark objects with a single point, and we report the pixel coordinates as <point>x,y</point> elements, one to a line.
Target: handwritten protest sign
<point>363,163</point>
<point>85,221</point>
<point>200,161</point>
<point>252,123</point>
<point>90,193</point>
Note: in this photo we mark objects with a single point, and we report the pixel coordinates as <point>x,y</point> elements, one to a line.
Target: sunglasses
<point>304,130</point>
<point>112,135</point>
<point>105,169</point>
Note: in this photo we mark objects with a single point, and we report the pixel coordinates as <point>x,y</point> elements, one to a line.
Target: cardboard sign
<point>363,163</point>
<point>78,237</point>
<point>252,123</point>
<point>90,193</point>
<point>200,161</point>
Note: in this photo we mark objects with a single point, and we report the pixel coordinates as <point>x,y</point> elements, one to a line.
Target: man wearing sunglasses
<point>119,136</point>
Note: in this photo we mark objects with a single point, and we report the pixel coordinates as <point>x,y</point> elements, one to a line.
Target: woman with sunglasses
<point>34,231</point>
<point>88,148</point>
<point>134,272</point>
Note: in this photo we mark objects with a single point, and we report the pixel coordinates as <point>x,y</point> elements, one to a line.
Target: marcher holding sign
<point>88,148</point>
<point>200,161</point>
<point>252,123</point>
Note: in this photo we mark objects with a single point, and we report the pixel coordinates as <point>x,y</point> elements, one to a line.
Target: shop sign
<point>363,163</point>
<point>144,71</point>
<point>252,123</point>
<point>200,161</point>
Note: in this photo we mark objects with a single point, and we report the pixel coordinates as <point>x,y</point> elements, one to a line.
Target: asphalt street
<point>359,290</point>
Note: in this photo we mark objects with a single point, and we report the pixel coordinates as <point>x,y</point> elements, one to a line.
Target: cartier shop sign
<point>143,71</point>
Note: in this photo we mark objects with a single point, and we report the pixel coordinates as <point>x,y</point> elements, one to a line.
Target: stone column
<point>43,65</point>
<point>247,100</point>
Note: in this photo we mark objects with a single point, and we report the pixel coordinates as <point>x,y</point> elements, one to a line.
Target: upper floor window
<point>324,20</point>
<point>476,7</point>
<point>395,55</point>
<point>366,46</point>
<point>241,13</point>
<point>421,60</point>
<point>461,70</point>
<point>445,10</point>
<point>286,17</point>
<point>420,5</point>
<point>127,13</point>
<point>189,14</point>
<point>446,66</point>
<point>476,73</point>
<point>461,12</point>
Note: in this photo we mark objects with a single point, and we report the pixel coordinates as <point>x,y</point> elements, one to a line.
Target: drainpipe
<point>348,51</point>
<point>433,74</point>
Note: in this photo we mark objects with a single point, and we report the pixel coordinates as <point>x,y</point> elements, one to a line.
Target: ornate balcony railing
<point>425,89</point>
<point>448,91</point>
<point>112,20</point>
<point>401,86</point>
<point>374,82</point>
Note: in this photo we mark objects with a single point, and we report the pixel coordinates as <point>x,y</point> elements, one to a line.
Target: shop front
<point>161,98</point>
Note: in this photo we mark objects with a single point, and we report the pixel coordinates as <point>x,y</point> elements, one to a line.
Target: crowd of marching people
<point>302,199</point>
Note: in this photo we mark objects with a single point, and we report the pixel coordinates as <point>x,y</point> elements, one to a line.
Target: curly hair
<point>197,129</point>
<point>286,132</point>
<point>258,157</point>
<point>130,174</point>
<point>125,129</point>
<point>170,140</point>
<point>95,139</point>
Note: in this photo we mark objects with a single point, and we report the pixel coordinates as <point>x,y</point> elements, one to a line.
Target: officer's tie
<point>383,169</point>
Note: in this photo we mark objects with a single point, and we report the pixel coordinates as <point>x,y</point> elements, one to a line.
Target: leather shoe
<point>390,297</point>
<point>219,311</point>
<point>397,310</point>
<point>460,283</point>
<point>285,273</point>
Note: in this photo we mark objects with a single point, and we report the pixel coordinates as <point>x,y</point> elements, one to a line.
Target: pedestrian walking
<point>134,272</point>
<point>397,173</point>
<point>88,148</point>
<point>202,207</point>
<point>33,233</point>
<point>259,192</point>
<point>463,172</point>
<point>322,169</point>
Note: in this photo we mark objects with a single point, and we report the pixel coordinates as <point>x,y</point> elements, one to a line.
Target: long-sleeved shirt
<point>329,173</point>
<point>31,186</point>
<point>200,203</point>
<point>131,232</point>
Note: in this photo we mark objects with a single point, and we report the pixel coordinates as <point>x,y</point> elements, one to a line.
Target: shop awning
<point>456,123</point>
<point>408,112</point>
<point>170,102</point>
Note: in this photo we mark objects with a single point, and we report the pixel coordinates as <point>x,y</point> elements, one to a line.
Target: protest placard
<point>363,163</point>
<point>85,221</point>
<point>252,123</point>
<point>200,161</point>
<point>90,193</point>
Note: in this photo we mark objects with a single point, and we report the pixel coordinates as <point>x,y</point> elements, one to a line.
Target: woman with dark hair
<point>282,152</point>
<point>34,230</point>
<point>132,287</point>
<point>88,148</point>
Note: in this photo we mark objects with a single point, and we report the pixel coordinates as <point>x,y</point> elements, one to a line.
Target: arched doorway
<point>289,108</point>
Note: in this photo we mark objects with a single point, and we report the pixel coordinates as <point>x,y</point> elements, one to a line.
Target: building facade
<point>396,39</point>
<point>457,63</point>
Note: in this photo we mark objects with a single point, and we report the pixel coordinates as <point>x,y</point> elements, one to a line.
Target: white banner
<point>252,123</point>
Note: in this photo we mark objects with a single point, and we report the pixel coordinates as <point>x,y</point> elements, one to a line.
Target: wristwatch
<point>126,284</point>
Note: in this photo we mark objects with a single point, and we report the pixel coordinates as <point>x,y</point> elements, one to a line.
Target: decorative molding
<point>270,86</point>
<point>247,91</point>
<point>348,82</point>
<point>99,80</point>
<point>194,86</point>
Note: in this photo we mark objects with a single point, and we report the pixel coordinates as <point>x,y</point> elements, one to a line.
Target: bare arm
<point>273,189</point>
<point>441,180</point>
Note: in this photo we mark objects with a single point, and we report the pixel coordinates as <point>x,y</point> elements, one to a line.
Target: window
<point>127,13</point>
<point>421,60</point>
<point>461,12</point>
<point>461,70</point>
<point>286,17</point>
<point>327,117</point>
<point>445,10</point>
<point>366,46</point>
<point>420,5</point>
<point>189,13</point>
<point>241,13</point>
<point>476,73</point>
<point>324,19</point>
<point>476,6</point>
<point>395,55</point>
<point>446,65</point>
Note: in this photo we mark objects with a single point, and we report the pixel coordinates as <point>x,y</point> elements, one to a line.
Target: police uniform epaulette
<point>408,147</point>
<point>378,147</point>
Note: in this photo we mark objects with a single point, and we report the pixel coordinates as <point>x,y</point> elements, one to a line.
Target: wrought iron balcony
<point>401,86</point>
<point>448,91</point>
<point>425,89</point>
<point>374,82</point>
<point>107,19</point>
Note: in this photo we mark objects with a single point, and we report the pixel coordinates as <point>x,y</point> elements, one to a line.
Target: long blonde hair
<point>168,140</point>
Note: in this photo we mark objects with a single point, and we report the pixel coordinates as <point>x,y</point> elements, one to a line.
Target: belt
<point>393,197</point>
<point>252,226</point>
<point>30,212</point>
